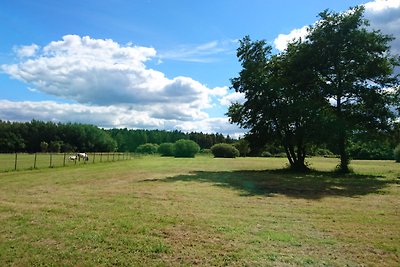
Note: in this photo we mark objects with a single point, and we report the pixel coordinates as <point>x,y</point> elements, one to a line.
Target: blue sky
<point>143,64</point>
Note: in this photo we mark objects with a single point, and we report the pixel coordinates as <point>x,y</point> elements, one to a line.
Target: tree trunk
<point>344,158</point>
<point>297,163</point>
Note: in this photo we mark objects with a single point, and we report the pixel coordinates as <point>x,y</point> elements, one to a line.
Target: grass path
<point>157,211</point>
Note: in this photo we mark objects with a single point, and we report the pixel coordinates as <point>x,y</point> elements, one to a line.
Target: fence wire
<point>25,161</point>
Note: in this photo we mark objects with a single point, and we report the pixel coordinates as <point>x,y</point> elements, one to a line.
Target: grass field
<point>24,161</point>
<point>155,211</point>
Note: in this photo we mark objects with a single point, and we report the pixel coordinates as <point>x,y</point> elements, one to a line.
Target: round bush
<point>266,154</point>
<point>166,149</point>
<point>224,151</point>
<point>147,148</point>
<point>397,153</point>
<point>186,148</point>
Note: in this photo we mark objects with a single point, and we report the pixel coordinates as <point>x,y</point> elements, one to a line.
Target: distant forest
<point>39,136</point>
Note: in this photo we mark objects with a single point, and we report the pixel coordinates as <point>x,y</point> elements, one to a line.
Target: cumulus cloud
<point>283,40</point>
<point>26,50</point>
<point>382,5</point>
<point>103,73</point>
<point>110,86</point>
<point>235,97</point>
<point>383,15</point>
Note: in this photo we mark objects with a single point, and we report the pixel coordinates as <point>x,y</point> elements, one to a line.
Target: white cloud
<point>385,16</point>
<point>219,91</point>
<point>110,86</point>
<point>283,40</point>
<point>26,51</point>
<point>235,97</point>
<point>103,116</point>
<point>111,117</point>
<point>381,5</point>
<point>382,14</point>
<point>203,53</point>
<point>103,72</point>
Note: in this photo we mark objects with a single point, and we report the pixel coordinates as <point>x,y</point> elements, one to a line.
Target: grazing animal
<point>83,156</point>
<point>73,157</point>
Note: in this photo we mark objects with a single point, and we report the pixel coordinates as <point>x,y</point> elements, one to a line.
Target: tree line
<point>40,136</point>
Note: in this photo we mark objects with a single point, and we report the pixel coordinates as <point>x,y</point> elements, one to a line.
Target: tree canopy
<point>324,88</point>
<point>354,69</point>
<point>36,136</point>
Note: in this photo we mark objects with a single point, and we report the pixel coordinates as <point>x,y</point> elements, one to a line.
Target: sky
<point>145,64</point>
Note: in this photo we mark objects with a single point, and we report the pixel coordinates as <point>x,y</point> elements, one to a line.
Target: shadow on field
<point>313,185</point>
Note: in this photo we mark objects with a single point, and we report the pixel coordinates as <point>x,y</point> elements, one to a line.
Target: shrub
<point>397,153</point>
<point>280,155</point>
<point>224,151</point>
<point>371,150</point>
<point>166,149</point>
<point>266,154</point>
<point>186,148</point>
<point>205,151</point>
<point>243,146</point>
<point>147,148</point>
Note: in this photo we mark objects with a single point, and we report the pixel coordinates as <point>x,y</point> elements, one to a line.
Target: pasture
<point>24,161</point>
<point>154,211</point>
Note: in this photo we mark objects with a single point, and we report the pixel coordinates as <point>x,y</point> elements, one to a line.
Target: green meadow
<point>156,211</point>
<point>25,161</point>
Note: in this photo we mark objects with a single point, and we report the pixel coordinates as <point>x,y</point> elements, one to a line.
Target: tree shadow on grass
<point>312,185</point>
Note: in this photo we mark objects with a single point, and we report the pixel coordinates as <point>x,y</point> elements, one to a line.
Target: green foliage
<point>353,64</point>
<point>186,148</point>
<point>320,151</point>
<point>26,137</point>
<point>378,150</point>
<point>287,96</point>
<point>10,141</point>
<point>205,151</point>
<point>224,150</point>
<point>266,154</point>
<point>243,147</point>
<point>397,153</point>
<point>147,148</point>
<point>55,146</point>
<point>129,139</point>
<point>44,146</point>
<point>283,103</point>
<point>166,149</point>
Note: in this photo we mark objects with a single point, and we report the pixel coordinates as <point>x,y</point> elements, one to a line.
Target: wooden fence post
<point>34,161</point>
<point>94,155</point>
<point>65,154</point>
<point>51,160</point>
<point>15,163</point>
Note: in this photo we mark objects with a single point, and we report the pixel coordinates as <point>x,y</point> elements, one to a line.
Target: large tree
<point>335,82</point>
<point>282,102</point>
<point>355,70</point>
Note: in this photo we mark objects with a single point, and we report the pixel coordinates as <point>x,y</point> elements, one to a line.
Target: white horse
<point>83,156</point>
<point>74,157</point>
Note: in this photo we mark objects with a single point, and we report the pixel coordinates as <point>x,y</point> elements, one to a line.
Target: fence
<point>24,161</point>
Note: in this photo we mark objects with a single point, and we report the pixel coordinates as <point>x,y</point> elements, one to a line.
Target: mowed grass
<point>155,211</point>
